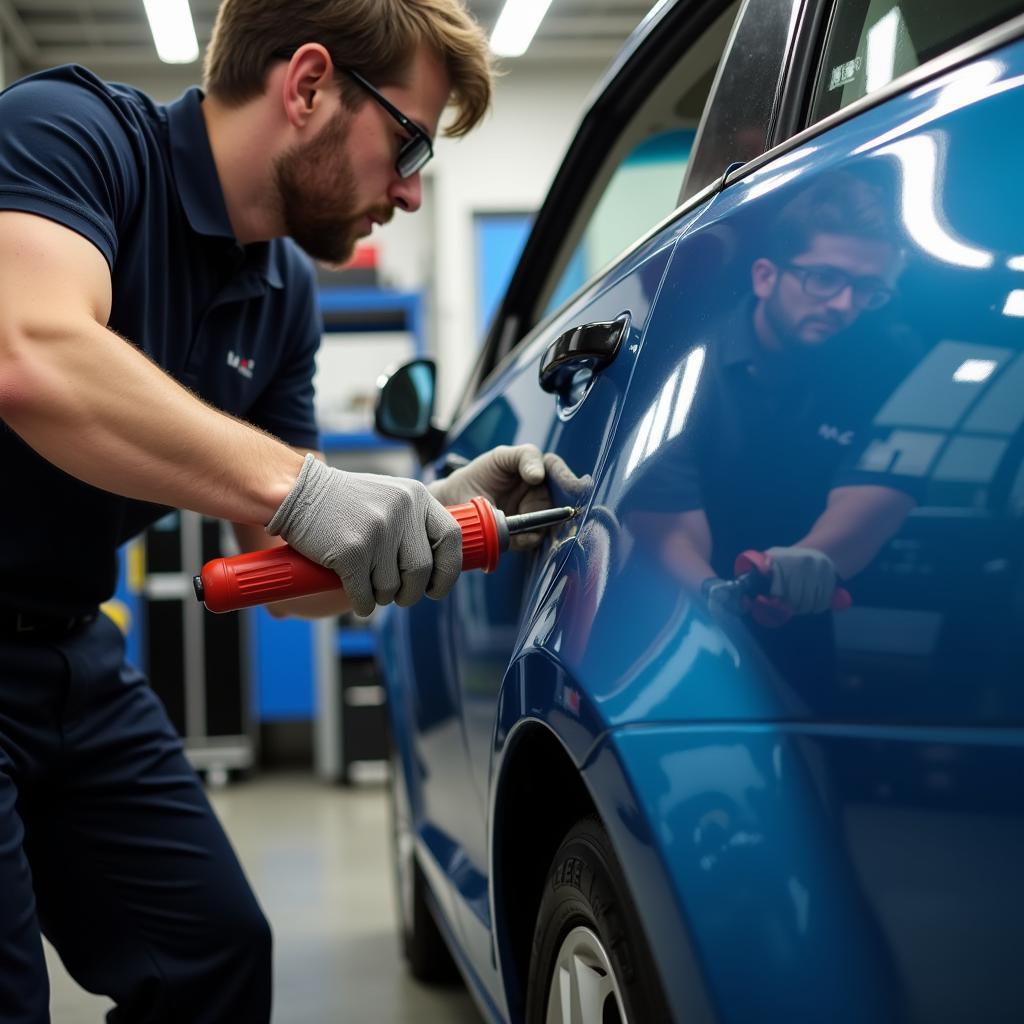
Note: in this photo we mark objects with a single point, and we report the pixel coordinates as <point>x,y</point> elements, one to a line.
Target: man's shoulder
<point>74,95</point>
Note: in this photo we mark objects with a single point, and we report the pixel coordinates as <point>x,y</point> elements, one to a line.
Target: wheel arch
<point>540,795</point>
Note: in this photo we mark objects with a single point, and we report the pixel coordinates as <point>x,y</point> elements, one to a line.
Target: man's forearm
<point>855,525</point>
<point>95,406</point>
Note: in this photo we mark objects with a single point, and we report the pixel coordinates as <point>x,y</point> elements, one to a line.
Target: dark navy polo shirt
<point>238,325</point>
<point>770,435</point>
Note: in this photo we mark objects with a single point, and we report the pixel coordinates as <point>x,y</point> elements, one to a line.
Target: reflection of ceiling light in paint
<point>881,63</point>
<point>922,164</point>
<point>1014,303</point>
<point>974,371</point>
<point>516,26</point>
<point>1015,262</point>
<point>174,32</point>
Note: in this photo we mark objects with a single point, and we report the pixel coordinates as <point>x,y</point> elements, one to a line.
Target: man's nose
<point>843,301</point>
<point>407,193</point>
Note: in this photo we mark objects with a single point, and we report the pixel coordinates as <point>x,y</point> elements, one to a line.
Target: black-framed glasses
<point>824,282</point>
<point>416,150</point>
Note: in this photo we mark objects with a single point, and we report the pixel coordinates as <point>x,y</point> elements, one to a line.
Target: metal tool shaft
<point>529,521</point>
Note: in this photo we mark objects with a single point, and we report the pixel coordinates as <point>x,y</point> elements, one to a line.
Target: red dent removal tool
<point>754,578</point>
<point>276,574</point>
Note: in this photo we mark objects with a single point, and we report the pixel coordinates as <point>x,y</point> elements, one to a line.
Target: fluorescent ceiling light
<point>1014,303</point>
<point>882,38</point>
<point>517,25</point>
<point>974,371</point>
<point>174,33</point>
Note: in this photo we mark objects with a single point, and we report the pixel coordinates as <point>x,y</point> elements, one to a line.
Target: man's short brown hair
<point>377,38</point>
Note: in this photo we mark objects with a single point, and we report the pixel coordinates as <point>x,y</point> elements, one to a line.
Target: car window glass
<point>871,42</point>
<point>642,191</point>
<point>638,184</point>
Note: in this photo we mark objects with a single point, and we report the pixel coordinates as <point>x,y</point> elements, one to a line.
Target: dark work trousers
<point>109,846</point>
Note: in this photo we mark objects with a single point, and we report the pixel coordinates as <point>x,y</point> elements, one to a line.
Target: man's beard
<point>317,191</point>
<point>790,334</point>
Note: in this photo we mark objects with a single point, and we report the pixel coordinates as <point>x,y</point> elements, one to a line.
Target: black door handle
<point>587,347</point>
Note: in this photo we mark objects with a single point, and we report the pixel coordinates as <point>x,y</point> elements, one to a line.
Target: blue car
<point>744,741</point>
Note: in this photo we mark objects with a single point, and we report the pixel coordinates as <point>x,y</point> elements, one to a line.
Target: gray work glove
<point>804,578</point>
<point>513,480</point>
<point>386,537</point>
<point>510,478</point>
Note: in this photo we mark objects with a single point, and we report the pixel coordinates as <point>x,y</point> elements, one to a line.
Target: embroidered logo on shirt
<point>829,433</point>
<point>244,366</point>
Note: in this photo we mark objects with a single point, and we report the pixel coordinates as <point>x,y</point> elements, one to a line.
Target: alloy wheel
<point>583,988</point>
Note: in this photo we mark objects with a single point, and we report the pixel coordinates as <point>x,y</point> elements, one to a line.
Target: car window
<point>639,181</point>
<point>871,42</point>
<point>642,191</point>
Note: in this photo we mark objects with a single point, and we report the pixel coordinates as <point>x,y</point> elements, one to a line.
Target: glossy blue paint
<point>818,825</point>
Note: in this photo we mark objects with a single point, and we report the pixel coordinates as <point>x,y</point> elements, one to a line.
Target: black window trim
<point>798,89</point>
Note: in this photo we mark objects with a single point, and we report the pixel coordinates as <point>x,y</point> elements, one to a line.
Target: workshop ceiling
<point>114,35</point>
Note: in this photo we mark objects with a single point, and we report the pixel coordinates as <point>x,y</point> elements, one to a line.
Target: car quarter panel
<point>819,873</point>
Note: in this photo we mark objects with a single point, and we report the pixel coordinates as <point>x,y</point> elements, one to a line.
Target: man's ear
<point>306,82</point>
<point>763,276</point>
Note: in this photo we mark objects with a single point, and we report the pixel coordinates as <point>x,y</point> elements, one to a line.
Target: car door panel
<point>906,756</point>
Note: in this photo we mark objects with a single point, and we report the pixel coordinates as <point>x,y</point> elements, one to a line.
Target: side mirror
<point>405,407</point>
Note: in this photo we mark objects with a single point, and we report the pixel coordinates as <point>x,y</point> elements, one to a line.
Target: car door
<point>847,806</point>
<point>623,173</point>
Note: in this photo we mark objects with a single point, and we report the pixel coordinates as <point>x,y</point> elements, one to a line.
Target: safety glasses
<point>416,150</point>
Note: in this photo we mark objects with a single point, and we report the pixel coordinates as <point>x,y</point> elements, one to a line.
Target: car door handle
<point>587,347</point>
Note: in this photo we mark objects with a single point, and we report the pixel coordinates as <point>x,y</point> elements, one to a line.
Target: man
<point>143,261</point>
<point>769,459</point>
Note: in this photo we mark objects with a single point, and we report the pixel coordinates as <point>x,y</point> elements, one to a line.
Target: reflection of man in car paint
<point>791,380</point>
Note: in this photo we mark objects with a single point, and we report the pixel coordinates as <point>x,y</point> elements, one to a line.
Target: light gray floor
<point>318,859</point>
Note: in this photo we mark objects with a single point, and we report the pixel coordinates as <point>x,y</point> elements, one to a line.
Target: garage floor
<point>318,859</point>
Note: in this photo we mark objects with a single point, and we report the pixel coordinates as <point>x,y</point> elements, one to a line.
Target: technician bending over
<point>157,342</point>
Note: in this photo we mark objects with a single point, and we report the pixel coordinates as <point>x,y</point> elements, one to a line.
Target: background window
<point>871,42</point>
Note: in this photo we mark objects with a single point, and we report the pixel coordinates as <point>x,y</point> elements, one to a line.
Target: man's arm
<point>856,523</point>
<point>683,541</point>
<point>96,407</point>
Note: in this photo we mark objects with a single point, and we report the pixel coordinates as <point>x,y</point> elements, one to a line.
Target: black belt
<point>29,625</point>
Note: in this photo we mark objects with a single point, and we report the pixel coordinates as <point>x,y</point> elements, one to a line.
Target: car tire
<point>423,946</point>
<point>588,940</point>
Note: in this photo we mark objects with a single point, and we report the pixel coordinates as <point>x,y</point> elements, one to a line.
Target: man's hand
<point>804,578</point>
<point>513,480</point>
<point>386,537</point>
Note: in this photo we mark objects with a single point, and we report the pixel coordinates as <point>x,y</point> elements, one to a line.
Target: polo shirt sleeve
<point>286,407</point>
<point>881,455</point>
<point>65,154</point>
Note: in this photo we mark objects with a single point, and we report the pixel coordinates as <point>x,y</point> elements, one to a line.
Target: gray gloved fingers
<point>415,564</point>
<point>522,459</point>
<point>525,541</point>
<point>386,578</point>
<point>804,578</point>
<point>559,473</point>
<point>446,548</point>
<point>360,592</point>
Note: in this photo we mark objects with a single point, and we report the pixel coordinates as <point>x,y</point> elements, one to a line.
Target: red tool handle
<point>770,611</point>
<point>276,574</point>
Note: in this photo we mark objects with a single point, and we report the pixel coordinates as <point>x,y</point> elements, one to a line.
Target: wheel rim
<point>583,988</point>
<point>404,845</point>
